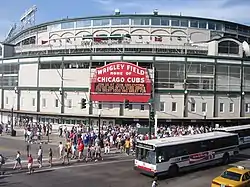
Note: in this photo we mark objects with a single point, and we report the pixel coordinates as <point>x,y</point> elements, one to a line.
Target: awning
<point>116,36</point>
<point>101,36</point>
<point>87,36</point>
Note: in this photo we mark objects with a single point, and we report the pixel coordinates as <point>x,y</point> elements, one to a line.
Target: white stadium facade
<point>197,70</point>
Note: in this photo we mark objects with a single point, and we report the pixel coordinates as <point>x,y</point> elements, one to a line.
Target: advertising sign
<point>200,157</point>
<point>118,81</point>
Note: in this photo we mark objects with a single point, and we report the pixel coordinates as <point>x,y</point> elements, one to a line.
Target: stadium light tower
<point>28,18</point>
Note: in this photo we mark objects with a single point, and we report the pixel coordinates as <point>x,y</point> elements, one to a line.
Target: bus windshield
<point>145,155</point>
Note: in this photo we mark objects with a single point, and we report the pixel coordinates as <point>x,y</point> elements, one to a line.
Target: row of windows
<point>9,81</point>
<point>193,106</point>
<point>9,68</point>
<point>84,65</point>
<point>165,153</point>
<point>157,21</point>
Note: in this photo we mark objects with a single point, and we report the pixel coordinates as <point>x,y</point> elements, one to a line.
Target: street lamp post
<point>99,125</point>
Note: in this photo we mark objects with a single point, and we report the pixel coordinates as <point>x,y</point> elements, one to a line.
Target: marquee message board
<point>118,81</point>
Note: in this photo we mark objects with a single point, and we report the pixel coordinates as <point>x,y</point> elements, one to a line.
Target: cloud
<point>232,10</point>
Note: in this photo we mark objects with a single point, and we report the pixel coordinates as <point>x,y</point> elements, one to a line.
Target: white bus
<point>242,130</point>
<point>176,154</point>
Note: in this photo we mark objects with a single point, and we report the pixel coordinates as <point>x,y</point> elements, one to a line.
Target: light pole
<point>12,114</point>
<point>99,125</point>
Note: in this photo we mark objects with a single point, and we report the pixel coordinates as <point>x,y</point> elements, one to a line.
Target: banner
<point>118,81</point>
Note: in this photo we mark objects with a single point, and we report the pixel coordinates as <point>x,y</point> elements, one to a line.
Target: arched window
<point>228,47</point>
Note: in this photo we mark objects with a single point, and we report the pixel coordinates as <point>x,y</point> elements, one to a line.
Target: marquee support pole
<point>149,120</point>
<point>156,125</point>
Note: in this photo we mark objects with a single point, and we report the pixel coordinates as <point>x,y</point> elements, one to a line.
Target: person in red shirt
<point>30,164</point>
<point>80,150</point>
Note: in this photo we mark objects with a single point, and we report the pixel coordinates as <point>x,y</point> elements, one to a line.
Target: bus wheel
<point>173,170</point>
<point>225,159</point>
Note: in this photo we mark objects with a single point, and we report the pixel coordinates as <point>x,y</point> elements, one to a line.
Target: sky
<point>49,10</point>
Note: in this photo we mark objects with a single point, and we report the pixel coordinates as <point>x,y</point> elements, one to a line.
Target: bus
<point>242,130</point>
<point>172,155</point>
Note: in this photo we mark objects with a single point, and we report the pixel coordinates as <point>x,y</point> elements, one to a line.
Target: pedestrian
<point>50,157</point>
<point>89,154</point>
<point>2,162</point>
<point>80,150</point>
<point>155,183</point>
<point>1,130</point>
<point>61,150</point>
<point>40,156</point>
<point>127,146</point>
<point>66,154</point>
<point>18,161</point>
<point>98,152</point>
<point>73,155</point>
<point>107,147</point>
<point>30,164</point>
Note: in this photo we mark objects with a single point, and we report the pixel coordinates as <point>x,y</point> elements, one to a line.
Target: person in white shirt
<point>18,161</point>
<point>155,183</point>
<point>61,150</point>
<point>40,156</point>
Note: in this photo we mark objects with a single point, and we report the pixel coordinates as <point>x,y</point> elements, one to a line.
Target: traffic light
<point>83,103</point>
<point>126,102</point>
<point>152,115</point>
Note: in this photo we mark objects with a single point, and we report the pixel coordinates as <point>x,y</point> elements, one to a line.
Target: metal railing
<point>28,50</point>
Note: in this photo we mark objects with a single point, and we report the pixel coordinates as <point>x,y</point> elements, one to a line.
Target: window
<point>211,25</point>
<point>175,22</point>
<point>204,107</point>
<point>142,107</point>
<point>83,23</point>
<point>67,25</point>
<point>6,100</point>
<point>165,22</point>
<point>219,27</point>
<point>155,21</point>
<point>33,102</point>
<point>162,106</point>
<point>111,106</point>
<point>69,103</point>
<point>193,107</point>
<point>130,107</point>
<point>99,105</point>
<point>194,23</point>
<point>140,21</point>
<point>202,24</point>
<point>228,47</point>
<point>120,21</point>
<point>221,107</point>
<point>184,23</point>
<point>174,106</point>
<point>44,102</point>
<point>101,22</point>
<point>57,103</point>
<point>231,107</point>
<point>247,107</point>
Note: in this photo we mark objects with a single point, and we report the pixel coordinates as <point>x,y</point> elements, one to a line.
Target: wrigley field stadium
<point>125,68</point>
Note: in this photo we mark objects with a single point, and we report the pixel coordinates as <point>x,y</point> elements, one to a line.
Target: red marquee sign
<point>118,81</point>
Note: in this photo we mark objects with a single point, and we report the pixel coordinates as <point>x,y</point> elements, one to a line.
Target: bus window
<point>145,155</point>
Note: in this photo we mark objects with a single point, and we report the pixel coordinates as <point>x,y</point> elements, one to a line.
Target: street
<point>112,172</point>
